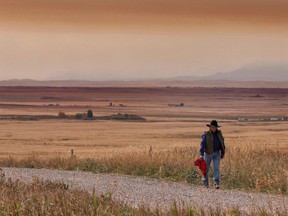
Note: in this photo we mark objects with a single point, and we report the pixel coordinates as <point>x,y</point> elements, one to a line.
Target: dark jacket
<point>212,143</point>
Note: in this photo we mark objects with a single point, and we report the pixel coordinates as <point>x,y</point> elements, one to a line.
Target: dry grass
<point>256,159</point>
<point>90,139</point>
<point>52,198</point>
<point>109,138</point>
<point>48,198</point>
<point>257,152</point>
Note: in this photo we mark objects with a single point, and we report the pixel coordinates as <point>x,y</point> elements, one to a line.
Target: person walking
<point>212,148</point>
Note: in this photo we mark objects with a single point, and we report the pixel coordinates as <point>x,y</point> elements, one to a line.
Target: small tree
<point>89,114</point>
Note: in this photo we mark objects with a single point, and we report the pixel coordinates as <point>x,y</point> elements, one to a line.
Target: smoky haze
<point>113,12</point>
<point>108,40</point>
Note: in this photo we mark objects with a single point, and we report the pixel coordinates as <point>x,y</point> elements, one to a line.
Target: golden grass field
<point>257,148</point>
<point>109,138</point>
<point>166,126</point>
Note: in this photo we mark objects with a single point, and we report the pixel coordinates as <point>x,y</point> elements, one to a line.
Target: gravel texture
<point>136,191</point>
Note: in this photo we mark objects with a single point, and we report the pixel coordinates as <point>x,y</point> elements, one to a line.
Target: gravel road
<point>137,191</point>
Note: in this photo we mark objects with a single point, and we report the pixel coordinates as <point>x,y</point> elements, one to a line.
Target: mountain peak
<point>263,72</point>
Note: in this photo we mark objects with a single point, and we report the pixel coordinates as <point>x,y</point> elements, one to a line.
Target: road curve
<point>136,191</point>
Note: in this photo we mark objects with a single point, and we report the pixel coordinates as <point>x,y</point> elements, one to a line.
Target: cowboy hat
<point>213,123</point>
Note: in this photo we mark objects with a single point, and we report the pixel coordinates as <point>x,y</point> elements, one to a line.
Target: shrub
<point>79,116</point>
<point>61,115</point>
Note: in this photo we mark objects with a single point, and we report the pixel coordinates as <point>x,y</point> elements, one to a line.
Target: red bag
<point>202,166</point>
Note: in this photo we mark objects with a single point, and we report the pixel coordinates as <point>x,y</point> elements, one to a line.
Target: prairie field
<point>254,124</point>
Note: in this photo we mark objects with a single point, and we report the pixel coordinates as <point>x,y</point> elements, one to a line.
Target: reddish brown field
<point>148,102</point>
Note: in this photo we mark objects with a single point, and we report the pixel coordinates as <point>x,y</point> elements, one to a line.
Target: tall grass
<point>263,170</point>
<point>48,198</point>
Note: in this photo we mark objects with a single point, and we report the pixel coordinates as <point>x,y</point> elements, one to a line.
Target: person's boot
<point>206,184</point>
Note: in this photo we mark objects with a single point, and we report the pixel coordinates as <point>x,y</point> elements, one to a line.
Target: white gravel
<point>136,191</point>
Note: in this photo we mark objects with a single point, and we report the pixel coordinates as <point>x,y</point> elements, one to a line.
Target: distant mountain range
<point>250,76</point>
<point>266,73</point>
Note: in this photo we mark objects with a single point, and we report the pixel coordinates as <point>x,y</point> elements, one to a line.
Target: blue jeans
<point>216,157</point>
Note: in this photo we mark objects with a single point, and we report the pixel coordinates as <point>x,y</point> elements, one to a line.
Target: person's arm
<point>203,145</point>
<point>223,148</point>
<point>222,153</point>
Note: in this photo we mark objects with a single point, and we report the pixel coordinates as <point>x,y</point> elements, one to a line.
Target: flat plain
<point>257,116</point>
<point>162,146</point>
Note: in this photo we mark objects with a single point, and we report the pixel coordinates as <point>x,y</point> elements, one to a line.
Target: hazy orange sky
<point>129,39</point>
